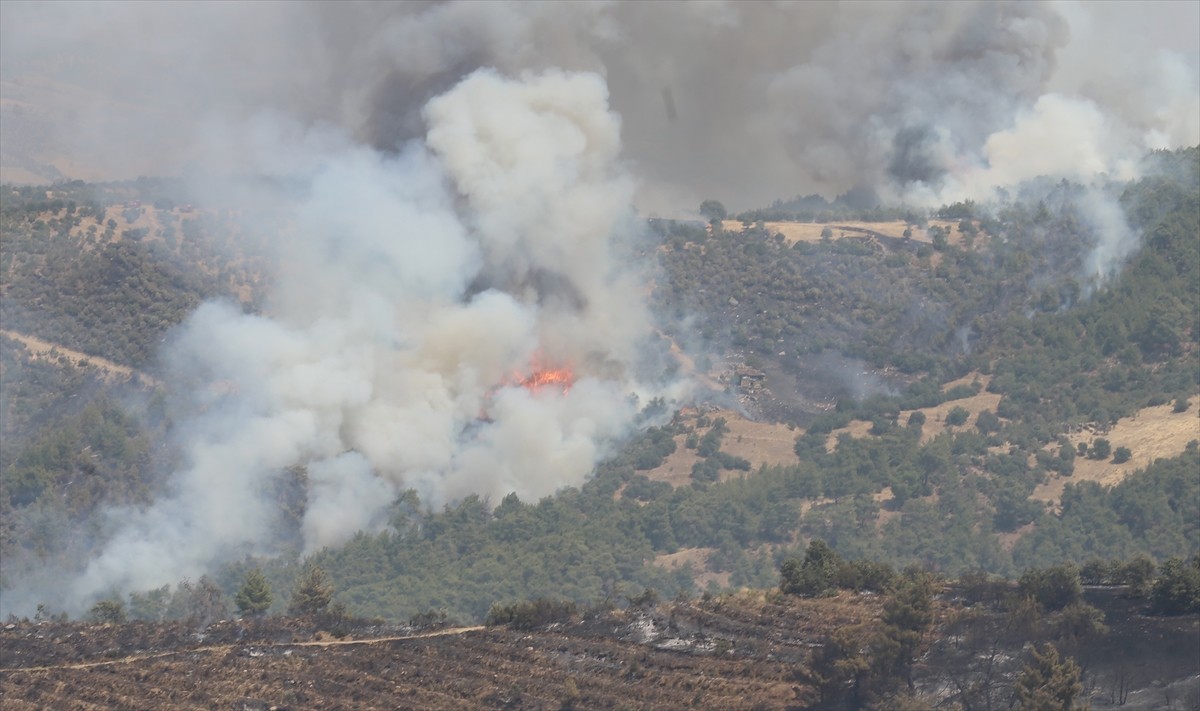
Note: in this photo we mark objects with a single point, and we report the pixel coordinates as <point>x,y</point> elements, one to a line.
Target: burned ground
<point>733,653</point>
<point>743,651</point>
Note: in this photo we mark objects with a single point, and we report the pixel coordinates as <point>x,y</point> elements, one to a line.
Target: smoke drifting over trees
<point>382,365</point>
<point>461,180</point>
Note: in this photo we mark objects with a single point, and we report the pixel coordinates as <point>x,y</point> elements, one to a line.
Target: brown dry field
<point>150,219</point>
<point>811,231</point>
<point>758,442</point>
<point>676,470</point>
<point>1152,433</point>
<point>774,444</point>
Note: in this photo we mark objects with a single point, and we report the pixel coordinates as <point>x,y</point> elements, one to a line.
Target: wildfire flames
<point>541,377</point>
<point>561,378</point>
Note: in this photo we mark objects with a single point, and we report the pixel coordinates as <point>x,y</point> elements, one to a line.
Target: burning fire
<point>562,378</point>
<point>541,377</point>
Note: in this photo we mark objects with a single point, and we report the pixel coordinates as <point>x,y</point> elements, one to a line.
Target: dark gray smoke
<point>741,101</point>
<point>914,159</point>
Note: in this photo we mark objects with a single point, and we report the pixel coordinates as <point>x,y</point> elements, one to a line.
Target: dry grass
<point>811,231</point>
<point>758,442</point>
<point>698,559</point>
<point>1152,433</point>
<point>676,470</point>
<point>935,417</point>
<point>150,219</point>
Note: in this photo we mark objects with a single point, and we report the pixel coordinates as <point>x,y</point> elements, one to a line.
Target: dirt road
<point>43,349</point>
<point>228,647</point>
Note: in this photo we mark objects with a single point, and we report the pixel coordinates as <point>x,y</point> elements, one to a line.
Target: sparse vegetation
<point>533,614</point>
<point>108,612</point>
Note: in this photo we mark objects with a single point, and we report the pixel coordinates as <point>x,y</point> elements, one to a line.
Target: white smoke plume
<point>416,290</point>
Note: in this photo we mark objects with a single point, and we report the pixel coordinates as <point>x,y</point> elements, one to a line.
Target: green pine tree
<point>907,615</point>
<point>313,592</point>
<point>1048,683</point>
<point>254,597</point>
<point>813,576</point>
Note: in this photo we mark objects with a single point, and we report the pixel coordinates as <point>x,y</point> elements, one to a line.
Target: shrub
<point>429,619</point>
<point>1137,573</point>
<point>1054,587</point>
<point>706,470</point>
<point>860,575</point>
<point>1177,589</point>
<point>987,422</point>
<point>531,614</point>
<point>108,612</point>
<point>814,575</point>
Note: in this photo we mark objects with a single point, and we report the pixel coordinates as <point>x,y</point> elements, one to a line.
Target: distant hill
<point>914,400</point>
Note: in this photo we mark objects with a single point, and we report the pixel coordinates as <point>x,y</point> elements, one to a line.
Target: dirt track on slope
<point>45,350</point>
<point>231,647</point>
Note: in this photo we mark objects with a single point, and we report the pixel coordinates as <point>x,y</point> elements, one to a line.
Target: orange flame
<point>559,377</point>
<point>562,378</point>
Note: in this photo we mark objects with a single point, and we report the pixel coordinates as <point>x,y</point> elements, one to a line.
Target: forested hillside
<point>109,270</point>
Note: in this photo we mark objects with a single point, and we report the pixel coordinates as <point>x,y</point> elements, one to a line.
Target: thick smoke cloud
<point>381,364</point>
<point>741,101</point>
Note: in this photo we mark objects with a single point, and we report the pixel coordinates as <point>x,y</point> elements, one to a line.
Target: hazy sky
<point>741,101</point>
